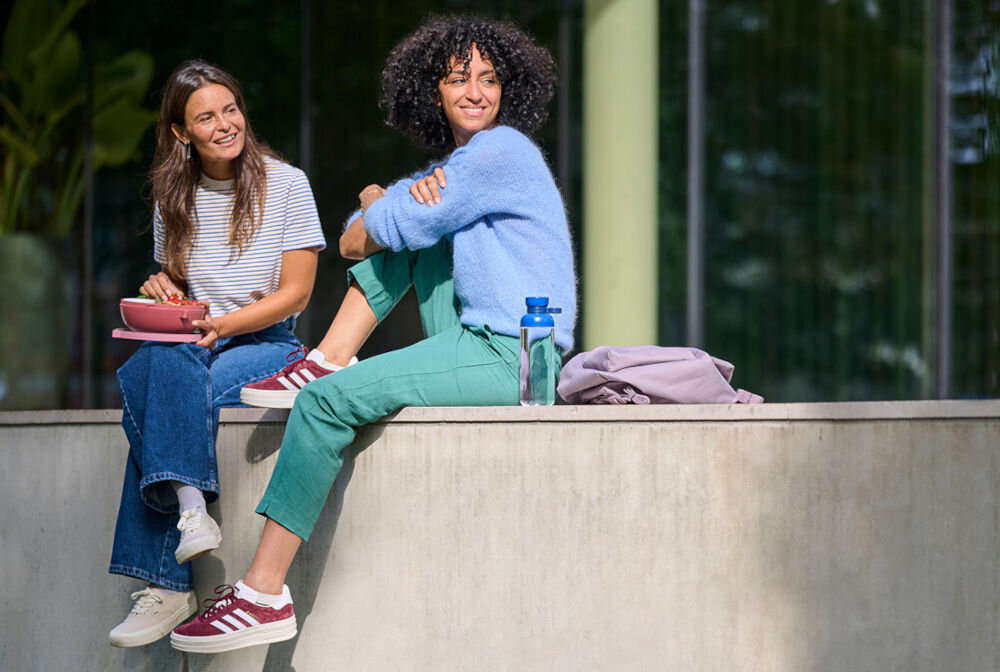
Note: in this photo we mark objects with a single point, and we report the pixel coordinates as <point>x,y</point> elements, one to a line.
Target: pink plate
<point>156,336</point>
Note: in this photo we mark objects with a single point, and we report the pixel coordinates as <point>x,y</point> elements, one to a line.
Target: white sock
<point>165,591</point>
<point>264,599</point>
<point>317,356</point>
<point>189,497</point>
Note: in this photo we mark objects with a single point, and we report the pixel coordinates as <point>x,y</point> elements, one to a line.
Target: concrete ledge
<point>776,537</point>
<point>885,410</point>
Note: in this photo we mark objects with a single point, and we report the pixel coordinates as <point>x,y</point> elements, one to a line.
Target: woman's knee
<point>326,403</point>
<point>317,400</point>
<point>159,354</point>
<point>311,395</point>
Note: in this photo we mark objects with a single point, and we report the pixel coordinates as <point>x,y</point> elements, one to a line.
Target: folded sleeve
<point>302,225</point>
<point>396,189</point>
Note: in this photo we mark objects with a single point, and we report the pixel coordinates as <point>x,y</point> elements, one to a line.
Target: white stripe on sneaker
<point>235,622</point>
<point>306,373</point>
<point>246,617</point>
<point>222,626</point>
<point>288,385</point>
<point>297,379</point>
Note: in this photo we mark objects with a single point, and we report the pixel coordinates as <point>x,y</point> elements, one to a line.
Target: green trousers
<point>454,365</point>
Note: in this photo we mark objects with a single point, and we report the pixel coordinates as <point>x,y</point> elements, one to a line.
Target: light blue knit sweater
<point>508,227</point>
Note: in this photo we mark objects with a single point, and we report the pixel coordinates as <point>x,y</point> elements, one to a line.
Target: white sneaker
<point>199,535</point>
<point>153,616</point>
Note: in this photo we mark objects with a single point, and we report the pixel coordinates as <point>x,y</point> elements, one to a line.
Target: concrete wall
<point>776,537</point>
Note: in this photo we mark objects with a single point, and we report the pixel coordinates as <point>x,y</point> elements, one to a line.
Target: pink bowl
<point>140,315</point>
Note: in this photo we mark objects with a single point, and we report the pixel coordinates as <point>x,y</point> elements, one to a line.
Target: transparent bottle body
<point>538,366</point>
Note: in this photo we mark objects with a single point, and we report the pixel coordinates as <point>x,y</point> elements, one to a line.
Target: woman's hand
<point>428,189</point>
<point>295,285</point>
<point>209,327</point>
<point>160,286</point>
<point>369,195</point>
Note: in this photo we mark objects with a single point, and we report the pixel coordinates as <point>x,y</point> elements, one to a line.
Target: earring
<point>187,150</point>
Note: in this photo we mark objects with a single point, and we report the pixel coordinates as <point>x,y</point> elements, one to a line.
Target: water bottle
<point>538,353</point>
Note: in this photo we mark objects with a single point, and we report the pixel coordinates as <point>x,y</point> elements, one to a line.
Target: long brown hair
<point>175,177</point>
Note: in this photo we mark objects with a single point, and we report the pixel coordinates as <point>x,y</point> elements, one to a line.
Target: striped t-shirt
<point>216,271</point>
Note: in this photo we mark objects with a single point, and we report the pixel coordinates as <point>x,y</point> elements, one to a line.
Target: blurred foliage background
<point>820,211</point>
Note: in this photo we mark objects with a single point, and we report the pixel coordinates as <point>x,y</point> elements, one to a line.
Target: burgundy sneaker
<point>234,620</point>
<point>280,390</point>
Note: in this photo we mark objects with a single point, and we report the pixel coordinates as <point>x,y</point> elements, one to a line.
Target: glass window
<point>820,220</point>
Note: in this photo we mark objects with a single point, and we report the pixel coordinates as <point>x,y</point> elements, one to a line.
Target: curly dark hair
<point>410,79</point>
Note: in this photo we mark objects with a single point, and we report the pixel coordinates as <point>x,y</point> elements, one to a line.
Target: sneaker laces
<point>145,599</point>
<point>226,595</point>
<point>190,520</point>
<point>295,357</point>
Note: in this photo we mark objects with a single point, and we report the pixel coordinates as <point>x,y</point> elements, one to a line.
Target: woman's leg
<point>378,284</point>
<point>351,327</point>
<point>275,552</point>
<point>457,367</point>
<point>146,535</point>
<point>171,400</point>
<point>145,539</point>
<point>166,415</point>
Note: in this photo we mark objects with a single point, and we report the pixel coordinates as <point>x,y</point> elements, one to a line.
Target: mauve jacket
<point>649,374</point>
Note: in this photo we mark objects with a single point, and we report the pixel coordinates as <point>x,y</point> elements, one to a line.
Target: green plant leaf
<point>69,196</point>
<point>127,77</point>
<point>13,114</point>
<point>22,150</point>
<point>43,92</point>
<point>29,24</point>
<point>118,129</point>
<point>58,83</point>
<point>41,53</point>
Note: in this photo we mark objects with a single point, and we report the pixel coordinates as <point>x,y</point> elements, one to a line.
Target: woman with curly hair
<point>474,234</point>
<point>235,227</point>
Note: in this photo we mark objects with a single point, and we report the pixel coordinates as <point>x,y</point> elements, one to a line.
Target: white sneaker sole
<point>267,633</point>
<point>156,631</point>
<point>268,398</point>
<point>197,547</point>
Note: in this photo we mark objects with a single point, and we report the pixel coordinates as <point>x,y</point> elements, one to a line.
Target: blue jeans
<point>171,396</point>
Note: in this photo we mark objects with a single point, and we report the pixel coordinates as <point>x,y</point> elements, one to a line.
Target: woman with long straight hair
<point>236,228</point>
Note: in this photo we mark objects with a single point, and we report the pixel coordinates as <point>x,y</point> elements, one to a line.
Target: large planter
<point>36,323</point>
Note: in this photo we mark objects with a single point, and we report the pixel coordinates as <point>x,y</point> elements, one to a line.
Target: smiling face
<point>470,97</point>
<point>214,124</point>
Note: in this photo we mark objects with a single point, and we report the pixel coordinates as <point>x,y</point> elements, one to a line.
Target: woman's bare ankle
<point>335,355</point>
